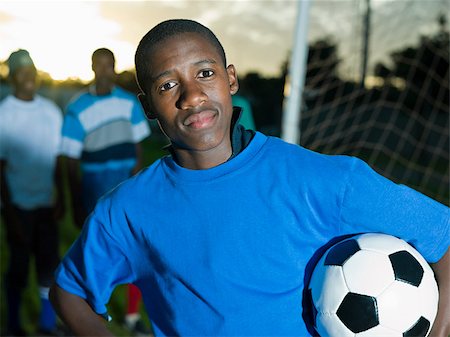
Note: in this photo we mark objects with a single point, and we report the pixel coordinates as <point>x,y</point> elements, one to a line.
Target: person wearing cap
<point>30,133</point>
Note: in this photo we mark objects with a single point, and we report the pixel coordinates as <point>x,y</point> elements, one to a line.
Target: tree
<point>424,69</point>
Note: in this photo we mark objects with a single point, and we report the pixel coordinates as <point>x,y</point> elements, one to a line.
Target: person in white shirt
<point>30,133</point>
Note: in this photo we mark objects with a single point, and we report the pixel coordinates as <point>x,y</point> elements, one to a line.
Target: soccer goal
<point>396,117</point>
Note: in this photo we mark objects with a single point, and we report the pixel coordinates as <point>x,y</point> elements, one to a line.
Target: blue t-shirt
<point>225,251</point>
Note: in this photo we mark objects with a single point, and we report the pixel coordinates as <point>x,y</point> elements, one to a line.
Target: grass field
<point>68,232</point>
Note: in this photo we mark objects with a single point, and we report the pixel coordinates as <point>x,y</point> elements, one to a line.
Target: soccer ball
<point>373,285</point>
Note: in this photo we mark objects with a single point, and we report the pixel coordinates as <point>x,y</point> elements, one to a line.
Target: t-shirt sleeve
<point>72,136</point>
<point>372,203</point>
<point>94,265</point>
<point>141,129</point>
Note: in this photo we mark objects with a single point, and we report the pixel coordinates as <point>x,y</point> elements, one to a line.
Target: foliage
<point>400,126</point>
<point>422,67</point>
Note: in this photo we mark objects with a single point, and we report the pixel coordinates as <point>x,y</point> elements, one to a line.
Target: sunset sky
<point>257,35</point>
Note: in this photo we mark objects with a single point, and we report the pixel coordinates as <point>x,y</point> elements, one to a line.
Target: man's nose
<point>192,95</point>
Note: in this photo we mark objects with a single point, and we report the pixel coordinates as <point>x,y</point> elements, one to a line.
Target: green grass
<point>68,232</point>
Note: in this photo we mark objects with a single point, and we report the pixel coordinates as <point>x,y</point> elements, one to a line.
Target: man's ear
<point>233,79</point>
<point>146,105</point>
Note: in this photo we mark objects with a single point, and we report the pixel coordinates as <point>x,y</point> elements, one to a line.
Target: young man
<point>30,133</point>
<point>219,235</point>
<point>102,134</point>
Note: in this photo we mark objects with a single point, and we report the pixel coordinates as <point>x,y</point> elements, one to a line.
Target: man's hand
<point>441,326</point>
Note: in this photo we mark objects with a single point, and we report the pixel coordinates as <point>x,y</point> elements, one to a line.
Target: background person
<point>30,134</point>
<point>102,131</point>
<point>246,120</point>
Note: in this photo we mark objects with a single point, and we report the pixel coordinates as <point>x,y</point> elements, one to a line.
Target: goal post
<point>295,80</point>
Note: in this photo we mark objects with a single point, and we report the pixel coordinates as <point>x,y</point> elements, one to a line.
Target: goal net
<point>397,118</point>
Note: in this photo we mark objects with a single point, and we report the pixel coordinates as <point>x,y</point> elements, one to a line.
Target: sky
<point>257,34</point>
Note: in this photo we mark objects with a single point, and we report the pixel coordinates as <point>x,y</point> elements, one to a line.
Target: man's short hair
<point>101,52</point>
<point>163,31</point>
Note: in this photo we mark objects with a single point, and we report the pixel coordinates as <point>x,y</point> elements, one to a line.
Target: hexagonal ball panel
<point>381,243</point>
<point>368,273</point>
<point>399,306</point>
<point>328,288</point>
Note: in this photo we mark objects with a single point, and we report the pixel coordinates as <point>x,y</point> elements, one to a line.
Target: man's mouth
<point>200,120</point>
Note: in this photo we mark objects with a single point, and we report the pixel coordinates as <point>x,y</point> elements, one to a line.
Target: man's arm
<point>73,171</point>
<point>441,269</point>
<point>77,314</point>
<point>9,213</point>
<point>139,159</point>
<point>4,190</point>
<point>59,205</point>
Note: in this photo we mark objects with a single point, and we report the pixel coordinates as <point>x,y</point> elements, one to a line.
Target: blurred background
<point>376,81</point>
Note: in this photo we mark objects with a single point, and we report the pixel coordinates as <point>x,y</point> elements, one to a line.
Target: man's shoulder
<point>4,103</point>
<point>280,148</point>
<point>294,154</point>
<point>7,101</point>
<point>143,182</point>
<point>124,94</point>
<point>10,104</point>
<point>6,112</point>
<point>79,101</point>
<point>48,103</point>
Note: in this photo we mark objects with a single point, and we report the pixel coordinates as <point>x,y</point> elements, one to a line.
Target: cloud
<point>56,38</point>
<point>257,34</point>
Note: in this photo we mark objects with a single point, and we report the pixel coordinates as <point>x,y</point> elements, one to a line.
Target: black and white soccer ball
<point>373,285</point>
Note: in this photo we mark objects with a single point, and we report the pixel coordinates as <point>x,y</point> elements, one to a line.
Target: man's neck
<point>102,90</point>
<point>24,96</point>
<point>202,160</point>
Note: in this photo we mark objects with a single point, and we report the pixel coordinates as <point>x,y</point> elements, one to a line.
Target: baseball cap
<point>19,58</point>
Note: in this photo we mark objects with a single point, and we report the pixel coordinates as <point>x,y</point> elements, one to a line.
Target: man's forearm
<point>8,210</point>
<point>441,269</point>
<point>139,159</point>
<point>59,184</point>
<point>73,171</point>
<point>73,175</point>
<point>77,314</point>
<point>5,196</point>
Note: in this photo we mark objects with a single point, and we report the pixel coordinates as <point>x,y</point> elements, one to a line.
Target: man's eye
<point>167,86</point>
<point>206,73</point>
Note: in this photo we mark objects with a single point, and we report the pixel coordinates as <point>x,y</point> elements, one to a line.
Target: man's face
<point>190,93</point>
<point>25,80</point>
<point>103,67</point>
